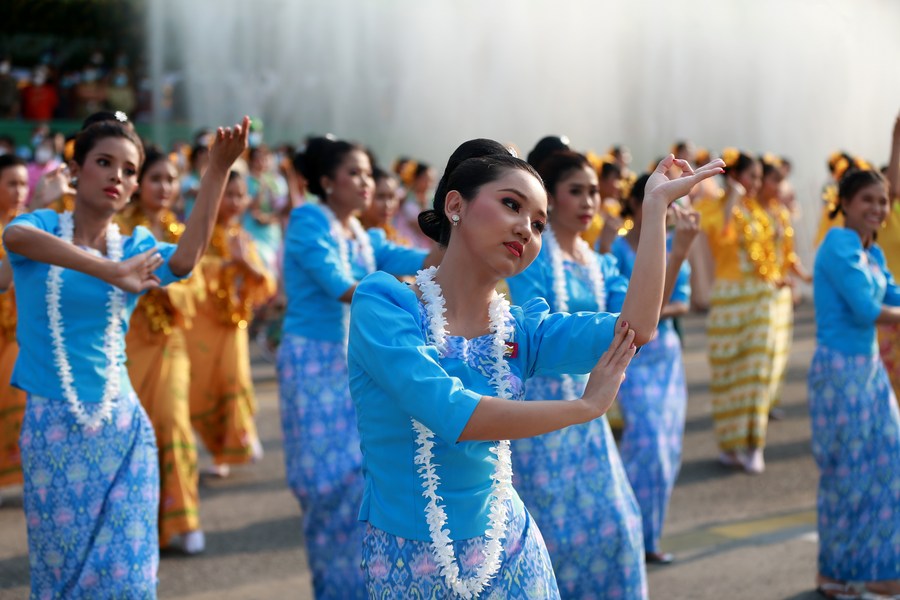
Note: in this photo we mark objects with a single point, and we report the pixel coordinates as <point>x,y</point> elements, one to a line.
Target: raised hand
<point>687,227</point>
<point>609,373</point>
<point>51,187</point>
<point>665,187</point>
<point>229,144</point>
<point>137,273</point>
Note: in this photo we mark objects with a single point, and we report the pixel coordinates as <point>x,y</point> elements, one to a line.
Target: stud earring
<point>74,182</point>
<point>328,191</point>
<point>454,219</point>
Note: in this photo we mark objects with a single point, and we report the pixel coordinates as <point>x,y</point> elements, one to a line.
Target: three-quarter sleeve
<point>615,282</point>
<point>394,258</point>
<point>562,343</point>
<point>142,240</point>
<point>309,237</point>
<point>845,265</point>
<point>43,220</point>
<point>386,341</point>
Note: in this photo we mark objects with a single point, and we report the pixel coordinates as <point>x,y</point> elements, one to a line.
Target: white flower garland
<point>561,293</point>
<point>501,484</point>
<point>112,337</point>
<point>365,244</point>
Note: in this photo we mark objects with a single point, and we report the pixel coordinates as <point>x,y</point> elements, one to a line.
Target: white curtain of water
<point>796,77</point>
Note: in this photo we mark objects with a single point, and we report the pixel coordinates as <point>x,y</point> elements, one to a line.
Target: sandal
<point>730,460</point>
<point>881,591</point>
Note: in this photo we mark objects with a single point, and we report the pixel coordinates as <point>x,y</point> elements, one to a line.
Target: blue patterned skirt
<point>399,568</point>
<point>573,483</point>
<point>91,502</point>
<point>323,461</point>
<point>856,444</point>
<point>653,399</point>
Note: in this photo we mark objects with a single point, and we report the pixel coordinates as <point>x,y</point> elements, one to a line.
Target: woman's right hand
<point>609,373</point>
<point>136,274</point>
<point>663,187</point>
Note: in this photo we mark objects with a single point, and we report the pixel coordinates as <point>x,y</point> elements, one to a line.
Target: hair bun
<point>430,224</point>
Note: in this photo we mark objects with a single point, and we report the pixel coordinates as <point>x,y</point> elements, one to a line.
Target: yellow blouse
<point>889,238</point>
<point>174,305</point>
<point>231,292</point>
<point>7,306</point>
<point>744,247</point>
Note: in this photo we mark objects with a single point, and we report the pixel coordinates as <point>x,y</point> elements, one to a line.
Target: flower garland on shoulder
<point>501,480</point>
<point>560,291</point>
<point>112,335</point>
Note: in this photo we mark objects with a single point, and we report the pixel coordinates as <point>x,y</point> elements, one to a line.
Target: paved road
<point>736,536</point>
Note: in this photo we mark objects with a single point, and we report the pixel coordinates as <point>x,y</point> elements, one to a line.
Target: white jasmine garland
<point>560,291</point>
<point>501,484</point>
<point>112,335</point>
<point>362,238</point>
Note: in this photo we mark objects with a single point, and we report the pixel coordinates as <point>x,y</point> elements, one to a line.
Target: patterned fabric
<point>889,346</point>
<point>160,371</point>
<point>399,568</point>
<point>12,411</point>
<point>574,484</point>
<point>91,502</point>
<point>741,343</point>
<point>221,398</point>
<point>856,444</point>
<point>783,324</point>
<point>323,461</point>
<point>654,399</point>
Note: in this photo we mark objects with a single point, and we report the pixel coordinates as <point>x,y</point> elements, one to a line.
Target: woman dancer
<point>572,480</point>
<point>88,450</point>
<point>853,411</point>
<point>653,398</point>
<point>158,362</point>
<point>889,242</point>
<point>13,193</point>
<point>442,515</point>
<point>237,282</point>
<point>327,252</point>
<point>740,326</point>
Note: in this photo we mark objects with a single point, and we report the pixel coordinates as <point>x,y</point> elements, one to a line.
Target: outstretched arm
<point>230,142</point>
<point>644,298</point>
<point>502,419</point>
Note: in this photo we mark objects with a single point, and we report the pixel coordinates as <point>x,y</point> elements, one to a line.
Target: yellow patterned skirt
<point>783,322</point>
<point>160,372</point>
<point>222,398</point>
<point>741,336</point>
<point>889,344</point>
<point>12,411</point>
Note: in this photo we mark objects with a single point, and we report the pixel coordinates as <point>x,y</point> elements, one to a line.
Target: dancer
<point>222,401</point>
<point>653,398</point>
<point>739,326</point>
<point>88,451</point>
<point>158,362</point>
<point>436,370</point>
<point>787,267</point>
<point>889,242</point>
<point>572,480</point>
<point>327,252</point>
<point>853,411</point>
<point>381,210</point>
<point>13,194</point>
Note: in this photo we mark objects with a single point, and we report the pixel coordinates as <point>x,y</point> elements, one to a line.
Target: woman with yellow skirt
<point>740,325</point>
<point>889,241</point>
<point>221,396</point>
<point>13,193</point>
<point>158,362</point>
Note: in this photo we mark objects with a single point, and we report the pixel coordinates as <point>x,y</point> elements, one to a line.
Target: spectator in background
<point>90,93</point>
<point>7,144</point>
<point>44,160</point>
<point>120,94</point>
<point>39,97</point>
<point>9,91</point>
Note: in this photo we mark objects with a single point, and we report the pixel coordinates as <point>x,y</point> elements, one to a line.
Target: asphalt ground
<point>735,536</point>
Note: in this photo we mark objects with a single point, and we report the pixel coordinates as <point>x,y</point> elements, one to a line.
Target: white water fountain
<point>797,77</point>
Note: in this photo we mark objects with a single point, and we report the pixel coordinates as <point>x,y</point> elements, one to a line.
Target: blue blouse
<point>625,254</point>
<point>84,316</point>
<point>395,376</point>
<point>314,278</point>
<point>537,282</point>
<point>850,285</point>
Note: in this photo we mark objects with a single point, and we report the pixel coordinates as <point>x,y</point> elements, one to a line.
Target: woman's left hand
<point>687,227</point>
<point>663,187</point>
<point>229,144</point>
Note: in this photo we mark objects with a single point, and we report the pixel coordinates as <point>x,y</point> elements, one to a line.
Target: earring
<point>74,182</point>
<point>454,219</point>
<point>328,191</point>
